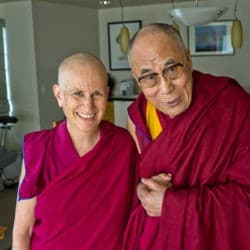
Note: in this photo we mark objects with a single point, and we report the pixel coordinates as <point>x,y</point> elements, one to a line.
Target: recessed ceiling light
<point>105,2</point>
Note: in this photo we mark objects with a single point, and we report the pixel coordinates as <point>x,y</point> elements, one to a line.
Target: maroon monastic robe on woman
<point>207,150</point>
<point>82,202</point>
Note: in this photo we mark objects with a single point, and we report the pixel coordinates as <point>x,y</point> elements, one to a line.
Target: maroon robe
<point>82,202</point>
<point>207,150</point>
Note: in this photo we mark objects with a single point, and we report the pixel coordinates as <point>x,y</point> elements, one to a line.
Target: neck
<point>84,142</point>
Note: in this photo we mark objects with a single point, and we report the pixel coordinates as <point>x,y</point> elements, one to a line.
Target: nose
<point>166,86</point>
<point>87,102</point>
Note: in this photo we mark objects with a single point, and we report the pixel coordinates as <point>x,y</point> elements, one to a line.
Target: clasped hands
<point>151,193</point>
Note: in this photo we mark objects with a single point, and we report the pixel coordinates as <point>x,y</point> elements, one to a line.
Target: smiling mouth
<point>86,116</point>
<point>174,102</point>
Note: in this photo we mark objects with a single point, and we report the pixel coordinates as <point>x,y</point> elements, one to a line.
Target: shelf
<point>122,98</point>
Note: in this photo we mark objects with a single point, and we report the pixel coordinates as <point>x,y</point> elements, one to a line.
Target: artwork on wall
<point>211,39</point>
<point>117,59</point>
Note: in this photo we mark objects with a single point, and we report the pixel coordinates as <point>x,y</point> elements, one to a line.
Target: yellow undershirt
<point>152,121</point>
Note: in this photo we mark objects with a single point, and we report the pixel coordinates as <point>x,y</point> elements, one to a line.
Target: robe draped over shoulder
<point>207,150</point>
<point>82,202</point>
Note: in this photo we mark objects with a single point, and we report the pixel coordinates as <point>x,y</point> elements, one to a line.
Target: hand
<point>151,193</point>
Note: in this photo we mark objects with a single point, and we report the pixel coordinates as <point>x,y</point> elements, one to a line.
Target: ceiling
<point>95,4</point>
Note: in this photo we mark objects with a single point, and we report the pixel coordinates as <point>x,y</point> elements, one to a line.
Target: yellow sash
<point>152,120</point>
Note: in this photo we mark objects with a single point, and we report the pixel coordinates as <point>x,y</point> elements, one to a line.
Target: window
<point>5,105</point>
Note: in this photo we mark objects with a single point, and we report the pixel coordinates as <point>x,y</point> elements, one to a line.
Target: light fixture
<point>175,24</point>
<point>104,2</point>
<point>123,37</point>
<point>237,30</point>
<point>197,15</point>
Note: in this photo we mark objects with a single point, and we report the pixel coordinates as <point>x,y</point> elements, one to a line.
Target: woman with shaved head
<point>77,178</point>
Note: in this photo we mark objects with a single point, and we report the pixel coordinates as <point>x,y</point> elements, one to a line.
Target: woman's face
<point>83,97</point>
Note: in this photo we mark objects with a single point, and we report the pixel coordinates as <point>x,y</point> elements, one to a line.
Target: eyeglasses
<point>172,72</point>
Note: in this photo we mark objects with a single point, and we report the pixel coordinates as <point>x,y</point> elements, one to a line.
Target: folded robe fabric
<point>207,150</point>
<point>82,202</point>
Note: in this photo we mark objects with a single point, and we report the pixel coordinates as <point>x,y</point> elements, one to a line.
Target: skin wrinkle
<point>151,52</point>
<point>168,63</point>
<point>77,63</point>
<point>153,29</point>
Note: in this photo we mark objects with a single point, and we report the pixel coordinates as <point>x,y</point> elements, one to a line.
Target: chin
<point>174,112</point>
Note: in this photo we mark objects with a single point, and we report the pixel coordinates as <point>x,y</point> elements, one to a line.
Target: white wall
<point>40,35</point>
<point>18,18</point>
<point>236,65</point>
<point>59,31</point>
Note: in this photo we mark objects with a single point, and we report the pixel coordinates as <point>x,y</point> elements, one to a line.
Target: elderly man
<point>77,187</point>
<point>192,132</point>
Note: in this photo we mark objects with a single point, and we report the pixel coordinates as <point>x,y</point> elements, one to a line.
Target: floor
<point>7,210</point>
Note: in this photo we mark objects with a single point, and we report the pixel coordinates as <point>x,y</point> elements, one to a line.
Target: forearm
<point>223,195</point>
<point>24,222</point>
<point>209,209</point>
<point>21,241</point>
<point>217,213</point>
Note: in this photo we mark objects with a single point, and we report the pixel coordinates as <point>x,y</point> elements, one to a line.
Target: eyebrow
<point>170,62</point>
<point>167,63</point>
<point>73,90</point>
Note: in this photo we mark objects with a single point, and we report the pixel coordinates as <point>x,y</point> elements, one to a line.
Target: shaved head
<point>82,93</point>
<point>153,29</point>
<point>156,50</point>
<point>79,61</point>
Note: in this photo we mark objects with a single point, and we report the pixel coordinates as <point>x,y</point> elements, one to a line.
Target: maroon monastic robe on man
<point>207,150</point>
<point>82,202</point>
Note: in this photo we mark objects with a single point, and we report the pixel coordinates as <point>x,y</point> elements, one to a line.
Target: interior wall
<point>20,43</point>
<point>236,65</point>
<point>59,31</point>
<point>40,34</point>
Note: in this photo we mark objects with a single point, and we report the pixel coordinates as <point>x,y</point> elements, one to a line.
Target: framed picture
<point>118,60</point>
<point>211,39</point>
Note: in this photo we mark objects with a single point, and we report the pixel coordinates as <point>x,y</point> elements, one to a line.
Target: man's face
<point>83,96</point>
<point>163,72</point>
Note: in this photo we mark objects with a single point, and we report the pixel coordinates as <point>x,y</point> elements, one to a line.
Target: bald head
<point>162,67</point>
<point>79,62</point>
<point>82,92</point>
<point>154,29</point>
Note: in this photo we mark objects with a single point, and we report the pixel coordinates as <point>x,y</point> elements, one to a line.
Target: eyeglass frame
<point>157,75</point>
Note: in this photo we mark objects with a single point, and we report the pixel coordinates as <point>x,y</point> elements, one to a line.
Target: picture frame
<point>117,60</point>
<point>211,39</point>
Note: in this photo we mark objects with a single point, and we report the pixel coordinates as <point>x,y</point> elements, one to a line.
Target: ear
<point>108,90</point>
<point>189,58</point>
<point>135,76</point>
<point>58,94</point>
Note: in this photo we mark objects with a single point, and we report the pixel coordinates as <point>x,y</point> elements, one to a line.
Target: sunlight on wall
<point>7,72</point>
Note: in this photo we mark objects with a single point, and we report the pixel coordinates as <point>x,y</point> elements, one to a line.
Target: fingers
<point>151,192</point>
<point>152,184</point>
<point>152,201</point>
<point>159,182</point>
<point>143,194</point>
<point>163,177</point>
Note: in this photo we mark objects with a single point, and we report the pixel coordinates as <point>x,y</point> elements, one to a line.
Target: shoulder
<point>138,104</point>
<point>37,142</point>
<point>118,133</point>
<point>222,88</point>
<point>137,111</point>
<point>45,134</point>
<point>233,94</point>
<point>38,136</point>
